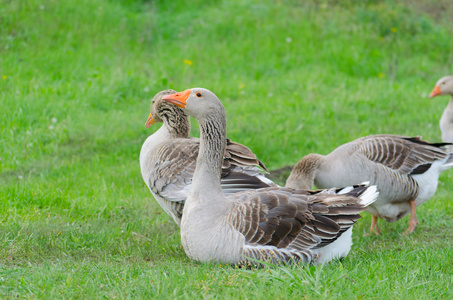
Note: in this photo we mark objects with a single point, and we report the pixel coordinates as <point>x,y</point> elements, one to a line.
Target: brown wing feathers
<point>293,220</point>
<point>176,162</point>
<point>241,155</point>
<point>408,155</point>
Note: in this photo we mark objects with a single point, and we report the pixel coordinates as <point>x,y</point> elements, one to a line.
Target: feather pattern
<point>168,160</point>
<point>174,164</point>
<point>273,224</point>
<point>399,153</point>
<point>403,168</point>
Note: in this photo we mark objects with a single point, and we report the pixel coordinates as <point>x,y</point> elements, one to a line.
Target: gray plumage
<point>403,168</point>
<point>274,224</point>
<point>168,160</point>
<point>444,86</point>
<point>287,225</point>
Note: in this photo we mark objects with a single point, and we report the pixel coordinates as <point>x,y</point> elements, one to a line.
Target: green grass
<point>76,80</point>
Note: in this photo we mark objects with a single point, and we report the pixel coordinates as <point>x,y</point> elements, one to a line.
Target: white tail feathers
<point>345,190</point>
<point>348,189</point>
<point>369,196</point>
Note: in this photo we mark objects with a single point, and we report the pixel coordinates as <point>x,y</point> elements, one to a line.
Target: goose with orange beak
<point>445,87</point>
<point>275,224</point>
<point>168,158</point>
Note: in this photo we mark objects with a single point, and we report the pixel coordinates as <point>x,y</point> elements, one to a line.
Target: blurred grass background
<point>76,80</point>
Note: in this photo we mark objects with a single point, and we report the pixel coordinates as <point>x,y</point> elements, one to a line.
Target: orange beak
<point>150,121</point>
<point>436,92</point>
<point>178,99</point>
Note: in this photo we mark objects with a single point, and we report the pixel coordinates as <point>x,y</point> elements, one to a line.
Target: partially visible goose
<point>445,87</point>
<point>272,224</point>
<point>168,158</point>
<point>405,170</point>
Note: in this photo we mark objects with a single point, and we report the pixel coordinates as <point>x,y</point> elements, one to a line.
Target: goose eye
<point>198,94</point>
<point>443,82</point>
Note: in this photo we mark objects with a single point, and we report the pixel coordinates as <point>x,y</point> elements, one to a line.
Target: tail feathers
<point>337,249</point>
<point>238,181</point>
<point>345,190</point>
<point>369,195</point>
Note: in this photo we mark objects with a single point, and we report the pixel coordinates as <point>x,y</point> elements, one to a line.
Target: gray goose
<point>168,159</point>
<point>445,87</point>
<point>275,224</point>
<point>405,170</point>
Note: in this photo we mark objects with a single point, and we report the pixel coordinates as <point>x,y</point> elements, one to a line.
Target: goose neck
<point>450,105</point>
<point>210,156</point>
<point>177,124</point>
<point>304,172</point>
<point>447,115</point>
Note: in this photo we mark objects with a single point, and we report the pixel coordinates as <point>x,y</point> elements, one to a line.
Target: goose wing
<point>407,155</point>
<point>285,224</point>
<point>240,155</point>
<point>175,162</point>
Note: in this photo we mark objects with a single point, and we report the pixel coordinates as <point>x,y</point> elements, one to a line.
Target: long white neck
<point>446,122</point>
<point>449,107</point>
<point>210,157</point>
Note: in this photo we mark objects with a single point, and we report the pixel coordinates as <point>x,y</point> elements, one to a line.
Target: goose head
<point>443,87</point>
<point>198,102</point>
<point>161,110</point>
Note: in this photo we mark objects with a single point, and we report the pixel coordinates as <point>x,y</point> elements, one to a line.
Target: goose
<point>405,170</point>
<point>445,87</point>
<point>168,159</point>
<point>274,224</point>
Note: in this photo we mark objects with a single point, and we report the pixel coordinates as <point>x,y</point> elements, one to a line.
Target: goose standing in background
<point>273,224</point>
<point>405,170</point>
<point>445,87</point>
<point>168,158</point>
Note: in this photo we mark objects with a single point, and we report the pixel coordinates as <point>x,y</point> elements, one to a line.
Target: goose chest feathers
<point>273,224</point>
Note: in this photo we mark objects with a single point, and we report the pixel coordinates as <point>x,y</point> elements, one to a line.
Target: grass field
<point>76,80</point>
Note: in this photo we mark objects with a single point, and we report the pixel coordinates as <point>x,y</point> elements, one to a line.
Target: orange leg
<point>413,218</point>
<point>374,227</point>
